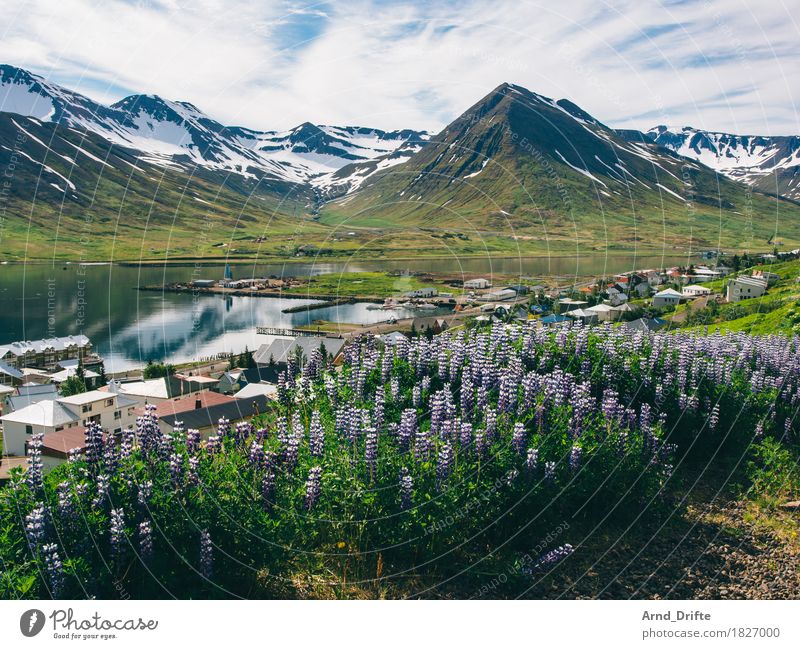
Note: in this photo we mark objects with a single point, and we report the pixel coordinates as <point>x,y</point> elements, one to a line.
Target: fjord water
<point>129,327</point>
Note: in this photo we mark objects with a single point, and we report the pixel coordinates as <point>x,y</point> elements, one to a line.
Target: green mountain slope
<point>73,195</point>
<point>521,170</point>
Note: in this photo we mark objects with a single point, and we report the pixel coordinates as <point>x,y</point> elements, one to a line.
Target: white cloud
<point>713,64</point>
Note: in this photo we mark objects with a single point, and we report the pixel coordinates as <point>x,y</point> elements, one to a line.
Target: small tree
<point>157,370</point>
<point>72,385</point>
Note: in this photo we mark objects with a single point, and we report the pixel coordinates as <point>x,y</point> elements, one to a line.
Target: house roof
<point>581,313</point>
<point>10,371</point>
<point>44,413</point>
<point>751,281</point>
<point>257,389</point>
<point>63,375</point>
<point>553,319</point>
<point>645,324</point>
<point>668,292</point>
<point>6,389</point>
<point>207,399</point>
<point>280,349</point>
<point>30,394</point>
<point>601,308</point>
<point>22,347</point>
<point>236,410</point>
<point>86,397</point>
<point>59,443</point>
<point>393,337</point>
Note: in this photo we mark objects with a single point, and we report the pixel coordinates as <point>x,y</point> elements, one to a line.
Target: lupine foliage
<point>408,458</point>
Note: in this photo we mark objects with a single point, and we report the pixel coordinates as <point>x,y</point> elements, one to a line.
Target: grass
<point>364,284</point>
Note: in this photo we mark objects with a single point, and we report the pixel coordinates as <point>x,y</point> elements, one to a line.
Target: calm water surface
<point>129,327</point>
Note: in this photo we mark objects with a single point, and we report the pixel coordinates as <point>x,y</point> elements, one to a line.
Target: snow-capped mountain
<point>178,134</point>
<point>769,163</point>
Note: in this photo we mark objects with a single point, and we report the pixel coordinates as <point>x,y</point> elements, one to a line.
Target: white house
<point>695,290</point>
<point>45,352</point>
<point>604,312</point>
<point>112,411</point>
<point>766,275</point>
<point>425,291</point>
<point>743,288</point>
<point>477,283</point>
<point>667,297</point>
<point>616,297</point>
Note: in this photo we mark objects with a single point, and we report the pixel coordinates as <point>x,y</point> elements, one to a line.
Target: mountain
<point>517,173</point>
<point>771,164</point>
<point>544,170</point>
<point>177,134</point>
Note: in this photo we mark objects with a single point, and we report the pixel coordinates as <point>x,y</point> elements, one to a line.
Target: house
<point>519,289</point>
<point>566,304</point>
<point>427,291</point>
<point>26,395</point>
<point>206,420</point>
<point>90,379</point>
<point>641,288</point>
<point>479,283</point>
<point>112,411</point>
<point>604,312</point>
<point>695,290</point>
<point>645,324</point>
<point>45,352</point>
<point>199,382</point>
<point>10,375</point>
<point>766,275</point>
<point>584,315</point>
<point>667,297</point>
<point>280,349</point>
<point>498,296</point>
<point>234,380</point>
<point>269,390</point>
<point>196,401</point>
<point>435,325</point>
<point>616,297</point>
<point>393,338</point>
<point>204,283</point>
<point>553,319</point>
<point>743,288</point>
<point>154,390</point>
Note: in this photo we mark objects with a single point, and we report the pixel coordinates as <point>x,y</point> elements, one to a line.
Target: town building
<point>206,420</point>
<point>744,288</point>
<point>479,283</point>
<point>45,352</point>
<point>667,297</point>
<point>112,412</point>
<point>425,291</point>
<point>280,350</point>
<point>694,290</point>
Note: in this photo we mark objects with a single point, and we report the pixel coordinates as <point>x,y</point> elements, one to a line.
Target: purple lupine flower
<point>103,484</point>
<point>511,476</point>
<point>35,472</point>
<point>206,555</point>
<point>549,472</point>
<point>54,569</point>
<point>145,541</point>
<point>394,388</point>
<point>313,487</point>
<point>35,526</point>
<point>406,488</point>
<point>117,534</point>
<point>518,438</point>
<point>193,474</point>
<point>481,444</point>
<point>176,469</point>
<point>532,460</point>
<point>416,396</point>
<point>94,444</point>
<point>66,503</point>
<point>713,418</point>
<point>465,434</point>
<point>192,441</point>
<point>444,463</point>
<point>759,433</point>
<point>145,490</point>
<point>549,560</point>
<point>213,444</point>
<point>408,427</point>
<point>371,452</point>
<point>256,457</point>
<point>575,458</point>
<point>268,489</point>
<point>422,445</point>
<point>316,436</point>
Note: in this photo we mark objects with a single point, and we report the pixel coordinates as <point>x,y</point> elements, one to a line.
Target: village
<point>58,386</point>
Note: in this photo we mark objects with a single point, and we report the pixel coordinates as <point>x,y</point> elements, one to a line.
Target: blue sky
<point>721,65</point>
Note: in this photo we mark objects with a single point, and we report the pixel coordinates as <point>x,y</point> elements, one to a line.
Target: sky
<point>725,65</point>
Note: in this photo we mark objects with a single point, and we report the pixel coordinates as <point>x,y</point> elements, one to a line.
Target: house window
<point>118,414</point>
<point>87,407</point>
<point>109,402</point>
<point>28,429</point>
